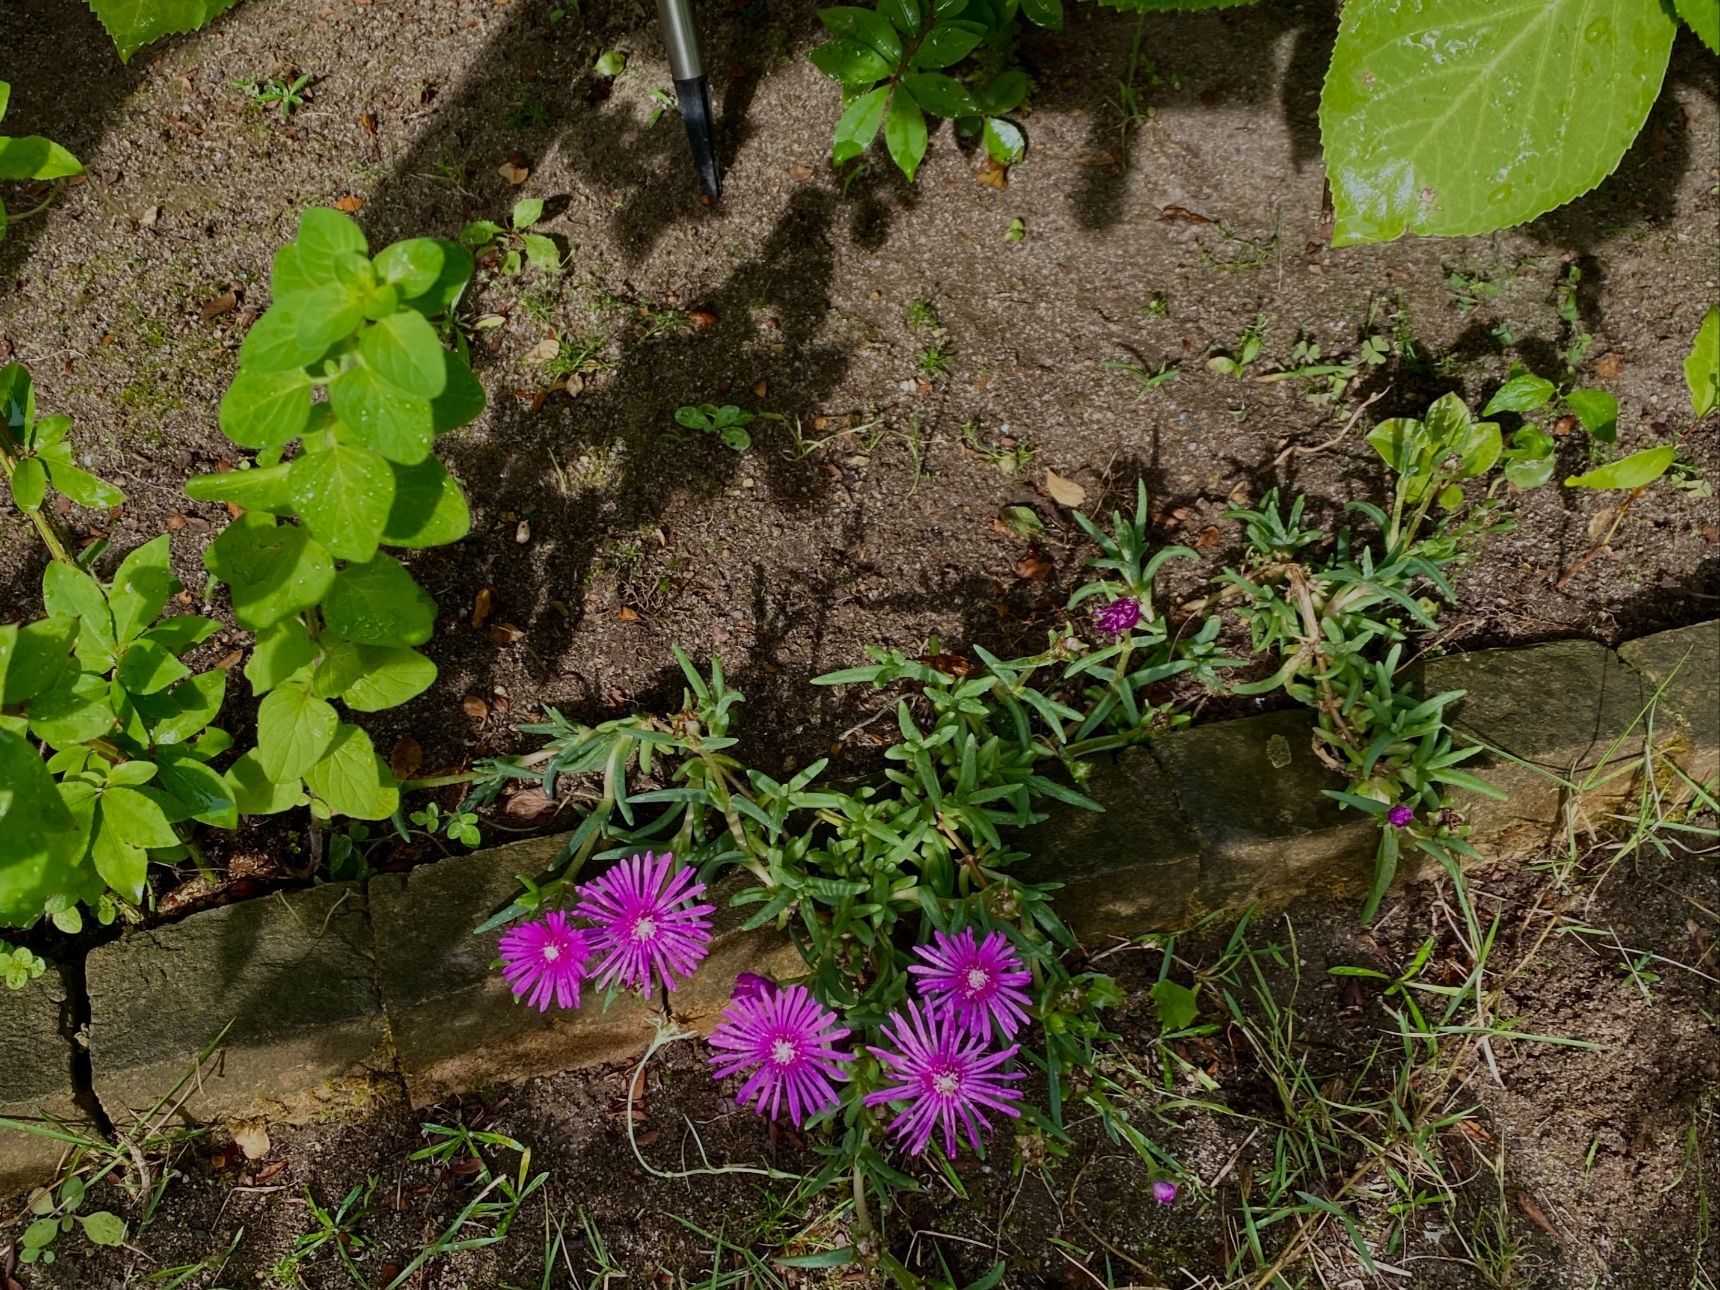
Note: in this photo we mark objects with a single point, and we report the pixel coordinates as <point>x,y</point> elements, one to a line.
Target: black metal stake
<point>693,89</point>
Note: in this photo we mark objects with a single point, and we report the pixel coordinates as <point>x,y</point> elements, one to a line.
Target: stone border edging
<point>341,991</point>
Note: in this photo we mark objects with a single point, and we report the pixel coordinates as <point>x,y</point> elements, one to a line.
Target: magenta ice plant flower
<point>646,919</point>
<point>944,1076</point>
<point>1164,1191</point>
<point>979,980</point>
<point>1400,817</point>
<point>1117,617</point>
<point>544,959</point>
<point>750,985</point>
<point>787,1042</point>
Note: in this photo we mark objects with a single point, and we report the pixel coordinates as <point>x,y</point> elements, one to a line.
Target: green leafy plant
<point>456,826</point>
<point>892,63</point>
<point>728,422</point>
<point>1446,118</point>
<point>338,618</point>
<point>132,24</point>
<point>515,244</point>
<point>1337,611</point>
<point>101,683</point>
<point>857,873</point>
<point>30,156</point>
<point>59,1210</point>
<point>278,92</point>
<point>1702,365</point>
<point>19,967</point>
<point>36,459</point>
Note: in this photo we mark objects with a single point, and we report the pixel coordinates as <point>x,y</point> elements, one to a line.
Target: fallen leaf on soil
<point>1564,425</point>
<point>350,204</point>
<point>1034,567</point>
<point>626,615</point>
<point>703,318</point>
<point>474,707</point>
<point>367,123</point>
<point>515,175</point>
<point>1207,538</point>
<point>528,806</point>
<point>1065,492</point>
<point>224,303</point>
<point>504,634</point>
<point>406,757</point>
<point>761,388</point>
<point>546,349</point>
<point>229,660</point>
<point>800,173</point>
<point>483,607</point>
<point>1607,365</point>
<point>1535,1214</point>
<point>992,175</point>
<point>268,1173</point>
<point>252,1137</point>
<point>1184,215</point>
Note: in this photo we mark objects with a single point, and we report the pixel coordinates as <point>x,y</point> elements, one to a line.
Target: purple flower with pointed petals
<point>545,959</point>
<point>1400,817</point>
<point>750,985</point>
<point>1164,1192</point>
<point>1117,617</point>
<point>945,1077</point>
<point>787,1042</point>
<point>646,921</point>
<point>980,981</point>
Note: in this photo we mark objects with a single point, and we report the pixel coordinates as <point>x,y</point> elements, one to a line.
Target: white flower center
<point>645,929</point>
<point>551,953</point>
<point>945,1083</point>
<point>977,979</point>
<point>782,1052</point>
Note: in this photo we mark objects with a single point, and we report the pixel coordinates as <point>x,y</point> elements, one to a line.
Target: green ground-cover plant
<point>515,244</point>
<point>338,618</point>
<point>1337,611</point>
<point>1447,118</point>
<point>27,157</point>
<point>858,874</point>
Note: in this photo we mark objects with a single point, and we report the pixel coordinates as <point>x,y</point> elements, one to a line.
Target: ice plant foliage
<point>786,1042</point>
<point>980,981</point>
<point>646,922</point>
<point>943,1076</point>
<point>546,959</point>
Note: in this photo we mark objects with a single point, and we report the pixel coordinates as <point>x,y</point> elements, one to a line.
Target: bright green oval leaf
<point>294,730</point>
<point>1454,117</point>
<point>1635,471</point>
<point>351,779</point>
<point>429,508</point>
<point>344,494</point>
<point>29,484</point>
<point>1702,365</point>
<point>396,422</point>
<point>271,570</point>
<point>378,603</point>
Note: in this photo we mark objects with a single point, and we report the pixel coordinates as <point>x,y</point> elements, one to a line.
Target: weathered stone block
<point>1561,713</point>
<point>35,1080</point>
<point>1686,662</point>
<point>1126,870</point>
<point>294,974</point>
<point>700,1000</point>
<point>1268,835</point>
<point>454,1022</point>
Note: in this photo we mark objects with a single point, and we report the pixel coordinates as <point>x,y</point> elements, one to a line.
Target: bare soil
<point>1589,1166</point>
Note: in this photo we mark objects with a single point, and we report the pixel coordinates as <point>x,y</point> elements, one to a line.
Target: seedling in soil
<point>1010,457</point>
<point>1246,351</point>
<point>19,967</point>
<point>457,826</point>
<point>285,96</point>
<point>36,460</point>
<point>1158,305</point>
<point>30,157</point>
<point>727,422</point>
<point>1017,231</point>
<point>1470,289</point>
<point>1149,380</point>
<point>663,102</point>
<point>516,243</point>
<point>338,1227</point>
<point>934,359</point>
<point>922,313</point>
